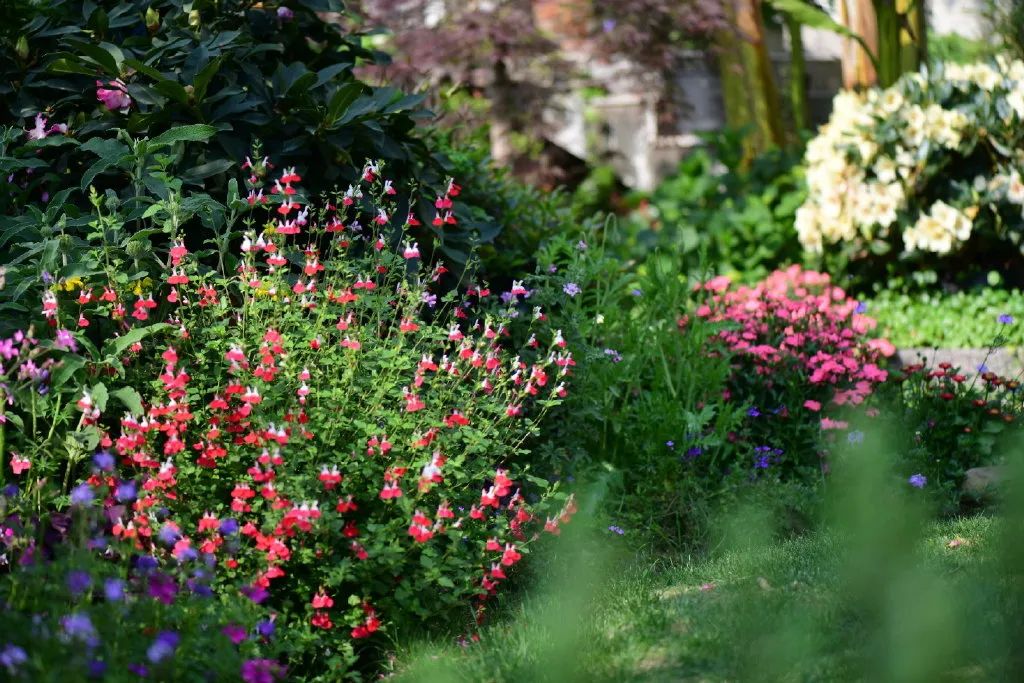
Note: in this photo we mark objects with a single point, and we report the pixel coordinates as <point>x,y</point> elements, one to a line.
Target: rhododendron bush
<point>801,352</point>
<point>927,167</point>
<point>319,429</point>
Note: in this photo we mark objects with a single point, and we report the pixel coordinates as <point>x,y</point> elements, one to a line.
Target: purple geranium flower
<point>918,480</point>
<point>572,289</point>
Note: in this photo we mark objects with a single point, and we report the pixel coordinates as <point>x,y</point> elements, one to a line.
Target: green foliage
<point>876,593</point>
<point>317,392</point>
<point>960,320</point>
<point>721,214</point>
<point>921,175</point>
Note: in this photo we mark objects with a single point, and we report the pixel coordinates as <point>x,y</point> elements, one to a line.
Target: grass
<point>821,607</point>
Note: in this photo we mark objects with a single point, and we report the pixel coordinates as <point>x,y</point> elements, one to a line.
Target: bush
<point>722,213</point>
<point>800,349</point>
<point>947,420</point>
<point>315,422</point>
<point>920,173</point>
<point>89,82</point>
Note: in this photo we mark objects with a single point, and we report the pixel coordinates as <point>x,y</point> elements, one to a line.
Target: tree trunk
<point>890,52</point>
<point>748,83</point>
<point>797,74</point>
<point>502,120</point>
<point>859,17</point>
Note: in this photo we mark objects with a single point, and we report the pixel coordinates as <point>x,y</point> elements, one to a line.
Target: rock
<point>983,482</point>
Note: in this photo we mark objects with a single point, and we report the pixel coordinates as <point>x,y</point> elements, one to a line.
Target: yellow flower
<point>72,283</point>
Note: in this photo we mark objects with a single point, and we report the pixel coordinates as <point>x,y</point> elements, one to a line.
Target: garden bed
<point>1006,362</point>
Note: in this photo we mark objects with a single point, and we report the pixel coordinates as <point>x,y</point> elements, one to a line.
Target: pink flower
<point>828,423</point>
<point>19,464</point>
<point>813,406</point>
<point>114,95</point>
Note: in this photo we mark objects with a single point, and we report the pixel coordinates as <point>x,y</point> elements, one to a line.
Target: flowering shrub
<point>342,445</point>
<point>953,419</point>
<point>927,166</point>
<point>800,350</point>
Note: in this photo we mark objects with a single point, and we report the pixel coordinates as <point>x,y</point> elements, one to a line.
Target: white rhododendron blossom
<point>889,165</point>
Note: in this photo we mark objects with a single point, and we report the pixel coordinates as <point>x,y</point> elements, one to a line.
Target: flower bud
<point>152,20</point>
<point>137,248</point>
<point>21,47</point>
<point>194,19</point>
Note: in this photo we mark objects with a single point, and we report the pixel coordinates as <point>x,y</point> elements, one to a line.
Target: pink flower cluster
<point>797,319</point>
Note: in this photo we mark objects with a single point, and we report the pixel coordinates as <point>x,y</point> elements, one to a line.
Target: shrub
<point>948,420</point>
<point>723,214</point>
<point>920,171</point>
<point>800,349</point>
<point>315,422</point>
<point>89,82</point>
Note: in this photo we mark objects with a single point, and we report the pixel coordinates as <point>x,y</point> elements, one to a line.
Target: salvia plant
<point>314,429</point>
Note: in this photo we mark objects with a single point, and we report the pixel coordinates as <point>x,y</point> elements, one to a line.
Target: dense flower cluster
<point>920,163</point>
<point>796,327</point>
<point>313,425</point>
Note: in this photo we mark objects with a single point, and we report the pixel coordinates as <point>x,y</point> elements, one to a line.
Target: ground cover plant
<point>344,447</point>
<point>958,320</point>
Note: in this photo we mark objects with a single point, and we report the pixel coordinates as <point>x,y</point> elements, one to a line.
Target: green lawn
<point>828,606</point>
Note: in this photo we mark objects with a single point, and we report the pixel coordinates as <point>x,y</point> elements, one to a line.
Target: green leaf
<point>811,15</point>
<point>341,101</point>
<point>99,396</point>
<point>115,347</point>
<point>196,132</point>
<point>130,399</point>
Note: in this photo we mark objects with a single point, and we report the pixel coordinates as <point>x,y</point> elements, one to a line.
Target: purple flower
<point>78,582</point>
<point>855,437</point>
<point>616,530</point>
<point>234,632</point>
<point>261,671</point>
<point>918,480</point>
<point>78,626</point>
<point>228,526</point>
<point>126,491</point>
<point>265,628</point>
<point>168,534</point>
<point>572,289</point>
<point>65,341</point>
<point>614,355</point>
<point>139,670</point>
<point>163,646</point>
<point>429,299</point>
<point>46,277</point>
<point>97,668</point>
<point>581,245</point>
<point>255,593</point>
<point>103,461</point>
<point>637,292</point>
<point>754,412</point>
<point>163,588</point>
<point>1005,319</point>
<point>81,495</point>
<point>608,25</point>
<point>693,452</point>
<point>12,657</point>
<point>113,590</point>
<point>285,14</point>
<point>861,307</point>
<point>670,444</point>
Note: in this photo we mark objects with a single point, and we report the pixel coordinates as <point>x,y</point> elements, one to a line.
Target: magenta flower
<point>262,671</point>
<point>235,633</point>
<point>163,588</point>
<point>114,95</point>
